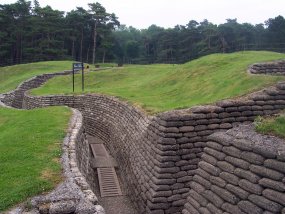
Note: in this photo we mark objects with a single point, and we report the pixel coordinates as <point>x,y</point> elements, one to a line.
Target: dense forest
<point>29,32</point>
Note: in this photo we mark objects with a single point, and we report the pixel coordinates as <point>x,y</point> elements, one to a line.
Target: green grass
<point>12,76</point>
<point>271,125</point>
<point>158,88</point>
<point>29,152</point>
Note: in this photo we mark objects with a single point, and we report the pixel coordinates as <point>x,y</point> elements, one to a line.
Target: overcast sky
<point>168,13</point>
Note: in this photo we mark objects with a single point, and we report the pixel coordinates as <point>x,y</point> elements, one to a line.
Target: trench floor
<point>115,204</point>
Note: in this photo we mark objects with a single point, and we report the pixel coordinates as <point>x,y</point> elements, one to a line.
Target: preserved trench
<point>206,159</point>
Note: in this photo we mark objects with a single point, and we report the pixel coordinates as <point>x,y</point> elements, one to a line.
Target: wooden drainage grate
<point>108,182</point>
<point>99,150</point>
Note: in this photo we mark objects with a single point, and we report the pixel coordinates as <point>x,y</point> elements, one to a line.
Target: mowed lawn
<point>12,76</point>
<point>158,88</point>
<point>30,148</point>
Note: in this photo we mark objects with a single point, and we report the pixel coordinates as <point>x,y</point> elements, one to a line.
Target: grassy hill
<point>158,88</point>
<point>12,76</point>
<point>29,152</point>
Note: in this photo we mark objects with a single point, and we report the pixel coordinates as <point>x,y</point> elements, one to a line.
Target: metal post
<point>73,78</point>
<point>82,68</point>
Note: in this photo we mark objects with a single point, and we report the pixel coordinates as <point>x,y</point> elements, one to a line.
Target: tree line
<point>29,32</point>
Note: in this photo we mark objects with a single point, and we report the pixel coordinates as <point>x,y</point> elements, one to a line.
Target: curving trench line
<point>157,156</point>
<point>74,195</point>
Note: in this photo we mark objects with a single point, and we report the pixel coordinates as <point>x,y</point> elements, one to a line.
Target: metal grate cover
<point>108,182</point>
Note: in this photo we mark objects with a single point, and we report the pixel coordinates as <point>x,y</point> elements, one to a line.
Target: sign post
<point>77,66</point>
<point>82,65</point>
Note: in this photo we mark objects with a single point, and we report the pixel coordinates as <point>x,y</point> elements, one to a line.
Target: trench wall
<point>269,68</point>
<point>15,97</point>
<point>160,155</point>
<point>131,138</point>
<point>81,156</point>
<point>240,172</point>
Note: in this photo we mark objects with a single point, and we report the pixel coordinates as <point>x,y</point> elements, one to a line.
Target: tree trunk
<point>72,52</point>
<point>13,56</point>
<point>209,42</point>
<point>223,44</point>
<point>21,48</point>
<point>18,48</point>
<point>87,55</point>
<point>171,52</point>
<point>94,43</point>
<point>48,38</point>
<point>104,54</point>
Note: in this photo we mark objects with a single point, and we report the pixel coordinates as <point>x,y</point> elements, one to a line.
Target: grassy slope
<point>271,125</point>
<point>159,88</point>
<point>12,76</point>
<point>29,152</point>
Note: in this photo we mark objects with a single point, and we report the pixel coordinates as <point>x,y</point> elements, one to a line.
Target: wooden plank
<point>99,150</point>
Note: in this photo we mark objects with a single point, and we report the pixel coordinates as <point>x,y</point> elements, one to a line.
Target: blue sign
<point>77,66</point>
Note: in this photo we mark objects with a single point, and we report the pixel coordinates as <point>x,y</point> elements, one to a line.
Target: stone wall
<point>81,156</point>
<point>240,172</point>
<point>188,129</point>
<point>133,140</point>
<point>127,135</point>
<point>15,97</point>
<point>160,155</point>
<point>270,68</point>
